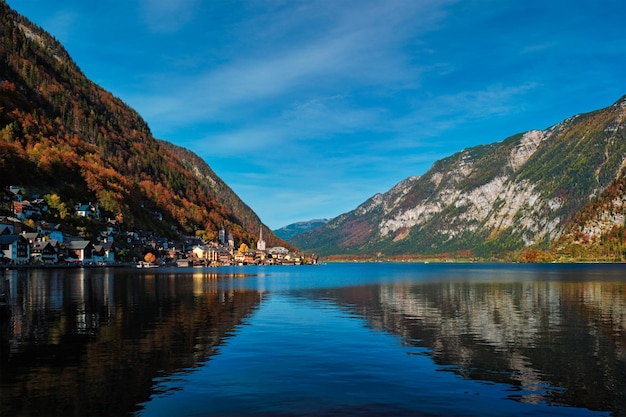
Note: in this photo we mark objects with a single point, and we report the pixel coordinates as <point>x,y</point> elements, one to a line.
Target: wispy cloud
<point>305,125</point>
<point>433,116</point>
<point>357,94</point>
<point>346,49</point>
<point>167,16</point>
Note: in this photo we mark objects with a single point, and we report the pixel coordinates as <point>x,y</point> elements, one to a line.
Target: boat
<point>182,263</point>
<point>143,264</point>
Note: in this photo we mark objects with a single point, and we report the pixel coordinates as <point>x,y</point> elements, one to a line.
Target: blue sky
<point>308,108</point>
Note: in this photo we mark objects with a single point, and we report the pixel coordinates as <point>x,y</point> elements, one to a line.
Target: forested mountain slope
<point>523,193</point>
<point>598,231</point>
<point>219,190</point>
<point>289,231</point>
<point>62,134</point>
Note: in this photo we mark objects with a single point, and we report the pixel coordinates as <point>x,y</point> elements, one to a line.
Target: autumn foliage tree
<point>63,135</point>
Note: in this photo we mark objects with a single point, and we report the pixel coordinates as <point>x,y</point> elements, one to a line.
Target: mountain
<point>219,190</point>
<point>541,190</point>
<point>598,230</point>
<point>63,136</point>
<point>297,228</point>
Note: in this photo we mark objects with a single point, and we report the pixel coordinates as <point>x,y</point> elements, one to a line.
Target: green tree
<point>57,205</point>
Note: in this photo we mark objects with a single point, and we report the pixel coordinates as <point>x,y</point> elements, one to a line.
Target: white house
<point>206,253</point>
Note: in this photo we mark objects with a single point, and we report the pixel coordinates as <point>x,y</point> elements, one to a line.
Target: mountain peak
<point>291,230</point>
<point>63,135</point>
<point>522,192</point>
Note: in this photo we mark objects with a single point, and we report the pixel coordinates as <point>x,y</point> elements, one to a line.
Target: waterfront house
<point>15,248</point>
<point>278,253</point>
<point>32,237</point>
<point>260,257</point>
<point>81,250</point>
<point>239,257</point>
<point>104,252</point>
<point>224,256</point>
<point>45,251</point>
<point>250,257</point>
<point>206,254</point>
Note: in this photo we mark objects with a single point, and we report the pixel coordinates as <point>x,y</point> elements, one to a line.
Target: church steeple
<point>260,245</point>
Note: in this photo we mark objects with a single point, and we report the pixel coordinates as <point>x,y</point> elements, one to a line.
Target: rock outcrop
<point>523,191</point>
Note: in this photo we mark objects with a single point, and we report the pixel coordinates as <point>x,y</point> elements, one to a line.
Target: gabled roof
<point>9,239</point>
<point>40,246</point>
<point>103,246</point>
<point>10,219</point>
<point>14,190</point>
<point>48,226</point>
<point>78,244</point>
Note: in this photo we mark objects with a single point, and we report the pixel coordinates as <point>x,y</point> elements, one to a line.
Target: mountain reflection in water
<point>83,342</point>
<point>557,342</point>
<point>101,342</point>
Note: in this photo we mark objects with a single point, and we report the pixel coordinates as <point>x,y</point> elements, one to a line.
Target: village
<point>26,240</point>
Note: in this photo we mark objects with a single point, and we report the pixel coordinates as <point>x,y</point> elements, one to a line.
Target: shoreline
<point>66,266</point>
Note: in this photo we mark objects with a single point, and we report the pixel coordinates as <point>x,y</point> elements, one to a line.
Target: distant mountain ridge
<point>291,230</point>
<point>526,192</point>
<point>62,134</point>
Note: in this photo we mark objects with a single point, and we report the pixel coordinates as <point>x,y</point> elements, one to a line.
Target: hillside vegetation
<point>289,231</point>
<point>556,194</point>
<point>62,135</point>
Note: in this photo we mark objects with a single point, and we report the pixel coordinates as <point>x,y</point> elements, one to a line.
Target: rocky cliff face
<point>505,196</point>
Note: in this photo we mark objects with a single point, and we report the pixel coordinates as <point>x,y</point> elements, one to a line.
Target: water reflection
<point>96,342</point>
<point>90,342</point>
<point>555,342</point>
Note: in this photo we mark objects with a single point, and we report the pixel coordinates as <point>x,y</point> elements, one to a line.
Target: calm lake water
<point>327,340</point>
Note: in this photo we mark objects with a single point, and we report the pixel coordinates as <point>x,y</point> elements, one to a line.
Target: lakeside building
<point>260,245</point>
<point>26,241</point>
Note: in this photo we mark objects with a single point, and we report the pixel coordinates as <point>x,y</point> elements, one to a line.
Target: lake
<point>379,339</point>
